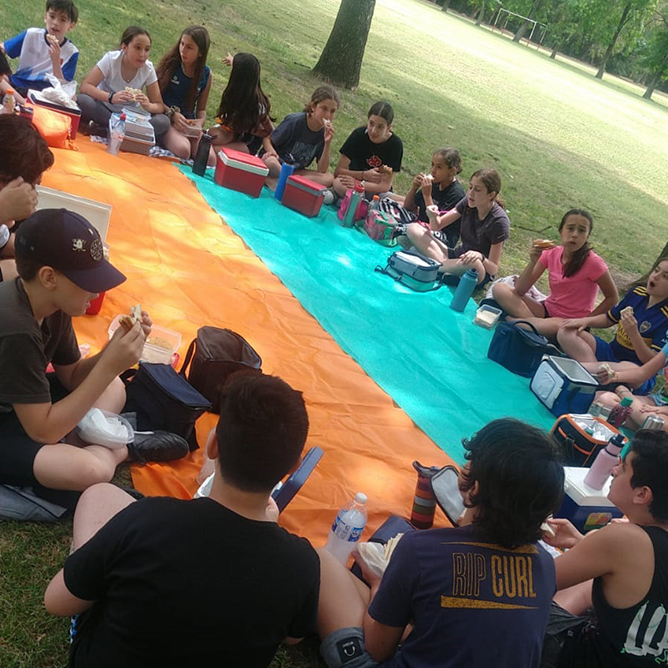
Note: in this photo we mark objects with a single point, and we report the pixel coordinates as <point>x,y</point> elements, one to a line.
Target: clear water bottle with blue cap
<point>347,528</point>
<point>467,284</point>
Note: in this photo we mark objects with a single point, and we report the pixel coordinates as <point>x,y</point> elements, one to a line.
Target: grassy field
<point>559,137</point>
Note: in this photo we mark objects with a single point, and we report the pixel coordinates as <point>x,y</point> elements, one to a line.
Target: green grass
<point>559,137</point>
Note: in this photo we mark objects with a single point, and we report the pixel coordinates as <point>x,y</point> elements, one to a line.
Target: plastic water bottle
<point>347,528</point>
<point>620,413</point>
<point>355,196</point>
<point>375,203</point>
<point>8,102</point>
<point>467,284</point>
<point>202,155</point>
<point>605,461</point>
<point>116,133</point>
<point>287,168</point>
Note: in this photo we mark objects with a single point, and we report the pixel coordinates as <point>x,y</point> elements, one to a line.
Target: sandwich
<point>128,321</point>
<point>544,244</point>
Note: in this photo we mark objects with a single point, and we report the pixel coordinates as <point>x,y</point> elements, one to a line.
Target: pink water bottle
<point>605,461</point>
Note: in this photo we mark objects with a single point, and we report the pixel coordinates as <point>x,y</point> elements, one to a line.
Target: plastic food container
<point>487,316</point>
<point>161,345</point>
<point>92,429</point>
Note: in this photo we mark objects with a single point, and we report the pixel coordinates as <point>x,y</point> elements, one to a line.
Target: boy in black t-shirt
<point>206,582</point>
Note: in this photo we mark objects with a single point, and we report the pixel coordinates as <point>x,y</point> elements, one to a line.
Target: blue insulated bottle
<point>464,290</point>
<point>286,172</point>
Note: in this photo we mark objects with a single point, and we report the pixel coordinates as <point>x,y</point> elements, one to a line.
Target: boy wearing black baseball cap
<point>61,266</point>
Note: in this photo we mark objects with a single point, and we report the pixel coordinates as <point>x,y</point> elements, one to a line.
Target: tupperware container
<point>161,345</point>
<point>487,316</point>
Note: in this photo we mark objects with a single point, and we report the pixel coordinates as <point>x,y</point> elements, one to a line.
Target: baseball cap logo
<point>79,245</point>
<point>96,250</point>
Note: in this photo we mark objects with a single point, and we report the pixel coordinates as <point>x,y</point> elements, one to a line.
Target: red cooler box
<point>74,113</point>
<point>240,171</point>
<point>303,195</point>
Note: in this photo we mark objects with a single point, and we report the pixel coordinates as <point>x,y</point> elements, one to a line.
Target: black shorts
<point>18,452</point>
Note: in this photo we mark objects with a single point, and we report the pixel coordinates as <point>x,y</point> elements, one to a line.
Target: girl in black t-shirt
<point>439,187</point>
<point>371,154</point>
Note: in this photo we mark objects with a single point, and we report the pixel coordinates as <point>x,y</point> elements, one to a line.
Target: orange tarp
<point>188,269</point>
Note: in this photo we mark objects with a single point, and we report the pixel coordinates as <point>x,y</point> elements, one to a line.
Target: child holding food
<point>372,154</point>
<point>654,403</point>
<point>304,137</point>
<point>61,267</point>
<point>441,188</point>
<point>575,272</point>
<point>118,81</point>
<point>642,329</point>
<point>484,229</point>
<point>43,51</point>
<point>185,80</point>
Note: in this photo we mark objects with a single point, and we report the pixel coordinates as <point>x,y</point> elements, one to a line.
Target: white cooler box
<point>96,213</point>
<point>564,385</point>
<point>587,508</point>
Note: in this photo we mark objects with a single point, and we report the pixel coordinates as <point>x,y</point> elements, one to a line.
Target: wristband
<point>111,97</point>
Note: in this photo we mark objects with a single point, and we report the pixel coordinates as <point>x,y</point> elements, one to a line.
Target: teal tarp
<point>431,360</point>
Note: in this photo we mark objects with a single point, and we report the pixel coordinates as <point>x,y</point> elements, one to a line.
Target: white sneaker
<point>329,197</point>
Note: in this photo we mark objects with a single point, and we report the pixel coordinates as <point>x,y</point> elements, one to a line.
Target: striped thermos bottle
<point>424,502</point>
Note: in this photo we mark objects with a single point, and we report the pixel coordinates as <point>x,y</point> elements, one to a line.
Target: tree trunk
<point>481,15</point>
<point>341,60</point>
<point>446,5</point>
<point>656,78</point>
<point>525,24</point>
<point>555,50</point>
<point>611,46</point>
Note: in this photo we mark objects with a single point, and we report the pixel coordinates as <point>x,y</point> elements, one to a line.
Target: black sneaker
<point>157,446</point>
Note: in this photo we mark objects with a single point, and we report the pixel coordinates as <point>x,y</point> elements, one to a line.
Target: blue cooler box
<point>563,385</point>
<point>587,508</point>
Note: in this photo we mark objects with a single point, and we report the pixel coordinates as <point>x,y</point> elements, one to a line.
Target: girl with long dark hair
<point>185,81</point>
<point>575,273</point>
<point>244,123</point>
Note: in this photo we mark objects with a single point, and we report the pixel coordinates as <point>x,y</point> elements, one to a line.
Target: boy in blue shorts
<point>43,51</point>
<point>642,329</point>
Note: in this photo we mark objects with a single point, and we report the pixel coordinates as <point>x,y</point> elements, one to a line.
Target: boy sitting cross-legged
<point>166,583</point>
<point>621,571</point>
<point>61,267</point>
<point>43,51</point>
<point>474,596</point>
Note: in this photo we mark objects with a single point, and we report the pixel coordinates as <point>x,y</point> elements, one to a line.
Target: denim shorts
<point>345,648</point>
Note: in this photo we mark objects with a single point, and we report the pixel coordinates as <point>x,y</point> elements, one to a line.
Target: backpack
<point>399,213</point>
<point>213,356</point>
<point>413,270</point>
<point>380,227</point>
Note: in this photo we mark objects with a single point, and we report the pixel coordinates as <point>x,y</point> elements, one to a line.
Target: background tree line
<point>625,37</point>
